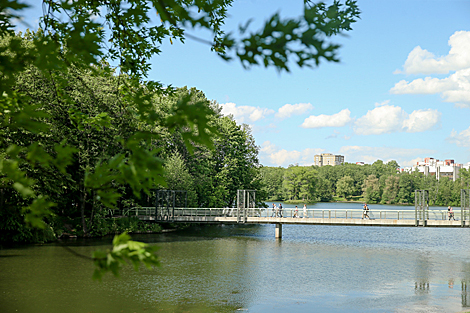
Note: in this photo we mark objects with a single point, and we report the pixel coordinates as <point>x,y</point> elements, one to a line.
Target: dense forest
<point>373,183</point>
<point>210,173</point>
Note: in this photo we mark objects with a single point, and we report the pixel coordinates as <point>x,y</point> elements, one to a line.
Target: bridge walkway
<point>353,217</point>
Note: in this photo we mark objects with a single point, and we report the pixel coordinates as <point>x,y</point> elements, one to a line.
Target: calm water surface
<point>243,268</point>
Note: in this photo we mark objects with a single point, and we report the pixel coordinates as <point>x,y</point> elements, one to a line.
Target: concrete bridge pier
<point>278,231</point>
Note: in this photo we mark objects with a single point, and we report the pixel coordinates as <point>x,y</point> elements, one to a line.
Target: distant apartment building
<point>328,159</point>
<point>441,169</point>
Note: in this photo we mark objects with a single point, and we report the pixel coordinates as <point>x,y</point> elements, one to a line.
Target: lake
<point>235,268</point>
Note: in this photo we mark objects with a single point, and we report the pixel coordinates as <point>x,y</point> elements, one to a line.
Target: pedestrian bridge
<point>352,217</point>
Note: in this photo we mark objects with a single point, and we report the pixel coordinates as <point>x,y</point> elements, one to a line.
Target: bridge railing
<point>289,212</point>
<point>352,213</point>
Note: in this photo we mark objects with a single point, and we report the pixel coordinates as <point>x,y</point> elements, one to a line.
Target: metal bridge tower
<point>166,201</point>
<point>245,200</point>
<point>465,207</point>
<point>421,207</point>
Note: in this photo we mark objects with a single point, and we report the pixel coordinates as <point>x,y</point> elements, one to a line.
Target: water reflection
<point>228,268</point>
<point>421,288</point>
<point>465,294</point>
<point>465,285</point>
<point>423,273</point>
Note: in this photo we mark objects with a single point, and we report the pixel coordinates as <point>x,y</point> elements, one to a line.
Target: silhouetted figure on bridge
<point>450,213</point>
<point>365,212</point>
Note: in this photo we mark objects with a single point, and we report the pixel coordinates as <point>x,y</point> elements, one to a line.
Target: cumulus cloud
<point>339,119</point>
<point>245,113</point>
<point>272,155</point>
<point>288,110</point>
<point>368,154</point>
<point>421,120</point>
<point>389,119</point>
<point>382,119</point>
<point>421,61</point>
<point>461,139</point>
<point>455,88</point>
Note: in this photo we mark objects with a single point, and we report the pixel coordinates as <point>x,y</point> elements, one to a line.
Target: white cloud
<point>379,104</point>
<point>368,154</point>
<point>389,119</point>
<point>382,119</point>
<point>336,120</point>
<point>455,88</point>
<point>268,148</point>
<point>288,110</point>
<point>421,61</point>
<point>244,113</point>
<point>461,139</point>
<point>272,155</point>
<point>422,120</point>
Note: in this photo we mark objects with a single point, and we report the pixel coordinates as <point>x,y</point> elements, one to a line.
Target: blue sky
<point>401,91</point>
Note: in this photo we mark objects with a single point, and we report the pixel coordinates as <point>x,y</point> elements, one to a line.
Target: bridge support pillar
<point>278,231</point>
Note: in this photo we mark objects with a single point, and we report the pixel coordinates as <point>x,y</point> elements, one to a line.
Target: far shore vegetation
<point>377,183</point>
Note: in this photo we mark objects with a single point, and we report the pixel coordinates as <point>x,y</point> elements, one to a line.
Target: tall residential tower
<point>328,159</point>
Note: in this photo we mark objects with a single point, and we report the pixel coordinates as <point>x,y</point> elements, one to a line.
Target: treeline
<point>94,129</point>
<point>373,183</point>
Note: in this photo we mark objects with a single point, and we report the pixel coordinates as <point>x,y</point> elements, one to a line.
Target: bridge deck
<point>307,221</point>
<point>401,218</point>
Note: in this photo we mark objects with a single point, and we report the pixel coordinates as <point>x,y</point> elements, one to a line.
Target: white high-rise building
<point>328,159</point>
<point>440,169</point>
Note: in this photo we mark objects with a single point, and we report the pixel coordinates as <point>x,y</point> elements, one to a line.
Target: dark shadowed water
<point>243,268</point>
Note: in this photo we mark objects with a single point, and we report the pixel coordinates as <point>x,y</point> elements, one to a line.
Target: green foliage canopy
<point>81,38</point>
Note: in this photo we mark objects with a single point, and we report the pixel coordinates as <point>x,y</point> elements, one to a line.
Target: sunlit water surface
<point>243,268</point>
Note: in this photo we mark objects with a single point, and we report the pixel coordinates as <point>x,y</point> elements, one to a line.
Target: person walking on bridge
<point>450,212</point>
<point>274,211</point>
<point>305,211</point>
<point>296,212</point>
<point>280,209</point>
<point>365,212</point>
